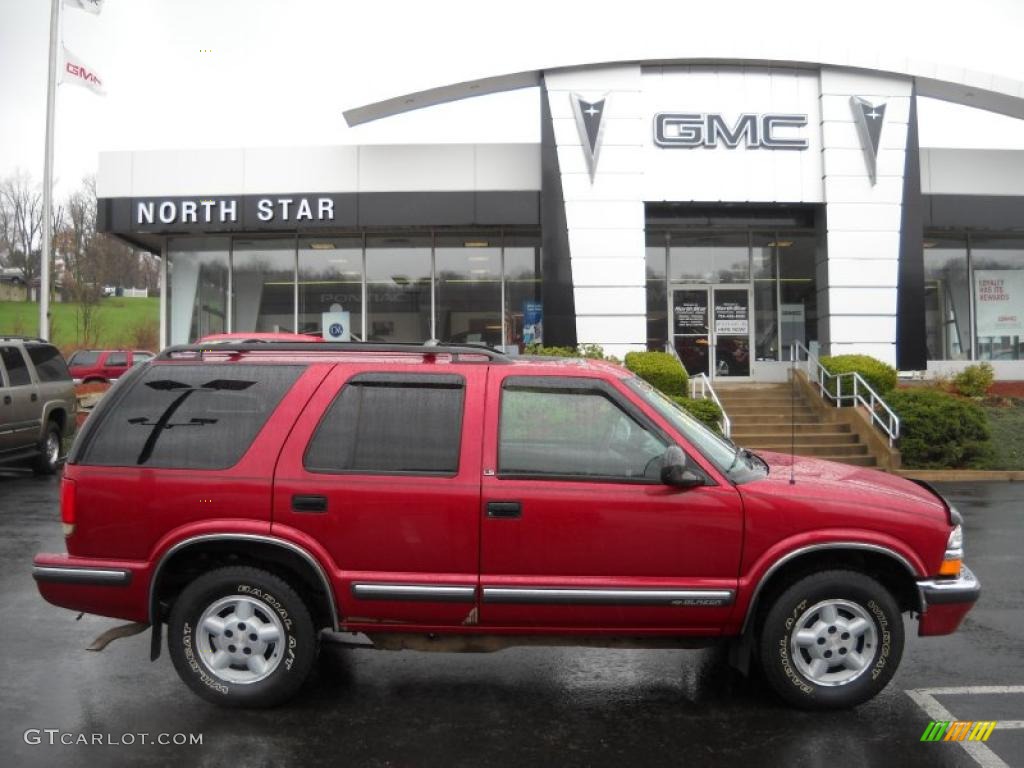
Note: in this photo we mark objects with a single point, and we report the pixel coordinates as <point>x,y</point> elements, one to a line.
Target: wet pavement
<point>519,707</point>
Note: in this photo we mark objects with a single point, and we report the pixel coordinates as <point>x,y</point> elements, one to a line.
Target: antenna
<point>792,414</point>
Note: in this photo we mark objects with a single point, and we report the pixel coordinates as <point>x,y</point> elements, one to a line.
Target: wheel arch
<point>191,556</point>
<point>894,571</point>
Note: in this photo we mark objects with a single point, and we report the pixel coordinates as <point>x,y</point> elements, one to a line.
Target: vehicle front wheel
<point>831,640</point>
<point>242,637</point>
<point>49,451</point>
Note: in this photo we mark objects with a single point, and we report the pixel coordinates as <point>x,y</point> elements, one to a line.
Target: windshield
<point>738,463</point>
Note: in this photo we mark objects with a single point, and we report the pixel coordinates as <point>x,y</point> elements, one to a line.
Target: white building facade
<point>724,210</point>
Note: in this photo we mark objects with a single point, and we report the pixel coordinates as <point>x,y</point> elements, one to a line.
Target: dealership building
<point>725,209</point>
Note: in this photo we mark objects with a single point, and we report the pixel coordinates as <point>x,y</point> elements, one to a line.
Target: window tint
<point>84,357</point>
<point>573,432</point>
<point>117,359</point>
<point>189,416</point>
<point>391,423</point>
<point>17,370</point>
<point>49,364</point>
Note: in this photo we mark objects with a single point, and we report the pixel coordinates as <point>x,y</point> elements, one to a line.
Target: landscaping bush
<point>705,411</point>
<point>939,430</point>
<point>659,369</point>
<point>974,380</point>
<point>879,376</point>
<point>590,351</point>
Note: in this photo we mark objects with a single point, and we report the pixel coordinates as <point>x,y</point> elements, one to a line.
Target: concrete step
<point>782,436</point>
<point>854,449</point>
<point>758,408</point>
<point>761,402</point>
<point>769,417</point>
<point>801,428</point>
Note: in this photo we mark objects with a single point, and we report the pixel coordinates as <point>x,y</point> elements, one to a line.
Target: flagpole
<point>51,98</point>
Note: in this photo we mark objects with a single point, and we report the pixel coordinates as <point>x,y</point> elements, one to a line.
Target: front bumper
<point>945,602</point>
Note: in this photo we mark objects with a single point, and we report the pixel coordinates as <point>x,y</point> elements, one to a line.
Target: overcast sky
<point>230,73</point>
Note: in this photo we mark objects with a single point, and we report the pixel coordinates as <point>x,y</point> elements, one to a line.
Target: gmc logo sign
<point>701,129</point>
<point>82,72</point>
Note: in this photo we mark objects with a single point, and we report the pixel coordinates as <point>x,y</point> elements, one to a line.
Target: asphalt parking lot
<point>519,707</point>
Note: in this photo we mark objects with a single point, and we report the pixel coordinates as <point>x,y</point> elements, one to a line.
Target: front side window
<point>189,416</point>
<point>573,432</point>
<point>17,370</point>
<point>391,424</point>
<point>84,357</point>
<point>117,359</point>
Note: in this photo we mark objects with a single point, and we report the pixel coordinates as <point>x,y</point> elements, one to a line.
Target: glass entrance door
<point>711,329</point>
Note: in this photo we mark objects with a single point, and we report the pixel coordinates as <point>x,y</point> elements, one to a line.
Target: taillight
<point>67,505</point>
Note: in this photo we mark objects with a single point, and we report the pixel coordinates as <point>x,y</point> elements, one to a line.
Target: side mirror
<point>674,471</point>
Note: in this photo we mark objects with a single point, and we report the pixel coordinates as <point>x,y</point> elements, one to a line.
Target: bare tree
<point>22,201</point>
<point>77,242</point>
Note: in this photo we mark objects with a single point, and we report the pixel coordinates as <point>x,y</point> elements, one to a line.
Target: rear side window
<point>84,357</point>
<point>49,364</point>
<point>391,424</point>
<point>189,417</point>
<point>117,359</point>
<point>17,370</point>
<point>141,357</point>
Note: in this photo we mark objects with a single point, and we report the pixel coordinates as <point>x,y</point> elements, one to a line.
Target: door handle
<point>302,503</point>
<point>7,399</point>
<point>504,509</point>
<point>34,397</point>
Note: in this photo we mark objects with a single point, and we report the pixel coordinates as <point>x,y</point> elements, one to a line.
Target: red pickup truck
<point>250,495</point>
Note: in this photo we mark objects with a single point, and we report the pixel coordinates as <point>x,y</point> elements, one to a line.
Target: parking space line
<point>979,751</point>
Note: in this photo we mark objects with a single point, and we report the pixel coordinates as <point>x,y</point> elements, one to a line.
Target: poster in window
<point>999,302</point>
<point>690,311</point>
<point>533,322</point>
<point>732,313</point>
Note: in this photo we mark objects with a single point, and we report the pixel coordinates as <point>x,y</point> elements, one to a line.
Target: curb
<point>962,475</point>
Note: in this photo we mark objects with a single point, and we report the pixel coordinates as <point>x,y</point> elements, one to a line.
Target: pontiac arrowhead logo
<point>590,123</point>
<point>869,118</point>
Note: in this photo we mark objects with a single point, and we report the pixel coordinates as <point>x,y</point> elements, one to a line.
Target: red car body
<point>722,538</point>
<point>103,365</point>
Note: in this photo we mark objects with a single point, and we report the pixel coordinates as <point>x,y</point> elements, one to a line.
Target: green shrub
<point>939,430</point>
<point>590,351</point>
<point>659,369</point>
<point>879,376</point>
<point>705,411</point>
<point>974,380</point>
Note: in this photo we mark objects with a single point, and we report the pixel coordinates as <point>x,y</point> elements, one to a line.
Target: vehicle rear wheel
<point>49,451</point>
<point>832,640</point>
<point>242,637</point>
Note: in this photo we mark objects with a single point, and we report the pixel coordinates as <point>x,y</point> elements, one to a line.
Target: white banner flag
<point>75,71</point>
<point>92,6</point>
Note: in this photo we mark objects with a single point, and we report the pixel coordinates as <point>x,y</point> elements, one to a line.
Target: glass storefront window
<point>947,299</point>
<point>798,294</point>
<point>331,280</point>
<point>997,269</point>
<point>524,322</point>
<point>197,287</point>
<point>468,288</point>
<point>263,285</point>
<point>713,257</point>
<point>766,307</point>
<point>398,282</point>
<point>657,302</point>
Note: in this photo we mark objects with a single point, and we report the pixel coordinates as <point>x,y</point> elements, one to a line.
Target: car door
<point>115,364</point>
<point>382,473</point>
<point>20,401</point>
<point>577,528</point>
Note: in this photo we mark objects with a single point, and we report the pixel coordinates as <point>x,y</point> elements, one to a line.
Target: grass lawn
<point>1007,423</point>
<point>120,322</point>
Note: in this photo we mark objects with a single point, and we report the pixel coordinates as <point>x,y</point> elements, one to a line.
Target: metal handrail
<point>705,390</point>
<point>862,393</point>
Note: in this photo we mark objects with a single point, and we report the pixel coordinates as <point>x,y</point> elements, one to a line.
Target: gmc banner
<point>74,71</point>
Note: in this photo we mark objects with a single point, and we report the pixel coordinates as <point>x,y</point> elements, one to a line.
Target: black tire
<point>273,602</point>
<point>48,460</point>
<point>793,610</point>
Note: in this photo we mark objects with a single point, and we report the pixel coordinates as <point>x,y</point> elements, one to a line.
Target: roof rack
<point>10,337</point>
<point>455,350</point>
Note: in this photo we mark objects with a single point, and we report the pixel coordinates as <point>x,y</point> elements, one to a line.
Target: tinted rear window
<point>390,423</point>
<point>190,417</point>
<point>17,370</point>
<point>49,364</point>
<point>85,357</point>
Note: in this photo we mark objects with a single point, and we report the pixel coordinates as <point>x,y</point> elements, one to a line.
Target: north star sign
<point>688,130</point>
<point>227,211</point>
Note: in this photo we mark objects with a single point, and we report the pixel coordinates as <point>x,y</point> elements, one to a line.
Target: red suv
<point>102,365</point>
<point>451,498</point>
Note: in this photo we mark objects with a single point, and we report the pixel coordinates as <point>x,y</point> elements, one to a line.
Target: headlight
<point>956,539</point>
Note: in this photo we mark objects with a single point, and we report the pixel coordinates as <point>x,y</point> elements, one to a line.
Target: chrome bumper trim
<point>106,577</point>
<point>963,589</point>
